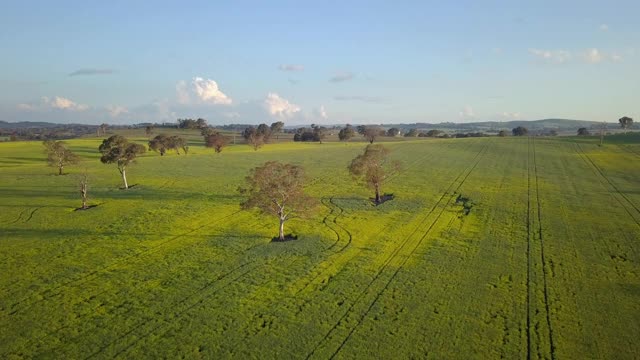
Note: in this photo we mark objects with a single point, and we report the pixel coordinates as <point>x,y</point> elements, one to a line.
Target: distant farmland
<point>517,248</point>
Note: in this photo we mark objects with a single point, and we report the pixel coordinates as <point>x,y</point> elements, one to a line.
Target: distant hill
<point>557,124</point>
<point>28,125</point>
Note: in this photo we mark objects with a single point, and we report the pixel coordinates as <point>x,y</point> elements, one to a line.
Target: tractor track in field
<point>78,281</point>
<point>529,261</point>
<point>629,150</point>
<point>335,222</point>
<point>552,349</point>
<point>33,213</point>
<point>598,171</point>
<point>324,221</point>
<point>449,191</point>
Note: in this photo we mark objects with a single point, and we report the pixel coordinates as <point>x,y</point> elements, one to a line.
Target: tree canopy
<point>625,122</point>
<point>58,155</point>
<point>277,189</point>
<point>373,167</point>
<point>217,141</point>
<point>346,133</point>
<point>118,150</point>
<point>583,132</point>
<point>520,131</point>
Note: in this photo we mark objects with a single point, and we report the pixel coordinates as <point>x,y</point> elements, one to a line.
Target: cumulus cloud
<point>92,71</point>
<point>320,112</point>
<point>467,113</point>
<point>205,91</point>
<point>595,56</point>
<point>343,76</point>
<point>367,99</point>
<point>116,110</point>
<point>510,115</point>
<point>551,56</point>
<point>290,67</point>
<point>280,107</point>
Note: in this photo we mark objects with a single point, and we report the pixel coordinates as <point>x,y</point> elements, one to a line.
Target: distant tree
<point>371,133</point>
<point>411,133</point>
<point>216,141</point>
<point>276,128</point>
<point>319,132</point>
<point>201,123</point>
<point>393,132</point>
<point>265,131</point>
<point>84,187</point>
<point>58,155</point>
<point>206,131</point>
<point>117,149</point>
<point>520,131</point>
<point>149,130</point>
<point>253,138</point>
<point>434,133</point>
<point>583,132</point>
<point>277,189</point>
<point>191,123</point>
<point>177,143</point>
<point>346,133</point>
<point>373,167</point>
<point>502,133</point>
<point>102,129</point>
<point>160,144</point>
<point>625,122</point>
<point>361,129</point>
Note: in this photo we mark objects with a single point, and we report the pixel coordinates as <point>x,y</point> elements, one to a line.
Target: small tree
<point>502,133</point>
<point>393,132</point>
<point>253,138</point>
<point>371,133</point>
<point>84,187</point>
<point>373,167</point>
<point>277,189</point>
<point>583,132</point>
<point>411,133</point>
<point>206,131</point>
<point>160,144</point>
<point>176,143</point>
<point>276,128</point>
<point>117,149</point>
<point>58,155</point>
<point>216,141</point>
<point>625,122</point>
<point>346,133</point>
<point>434,133</point>
<point>520,131</point>
<point>319,132</point>
<point>148,130</point>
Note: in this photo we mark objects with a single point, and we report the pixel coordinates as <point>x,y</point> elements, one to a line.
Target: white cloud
<point>467,113</point>
<point>510,115</point>
<point>55,103</point>
<point>26,107</point>
<point>116,110</point>
<point>552,56</point>
<point>320,112</point>
<point>595,56</point>
<point>343,76</point>
<point>280,107</point>
<point>202,90</point>
<point>290,67</point>
<point>603,27</point>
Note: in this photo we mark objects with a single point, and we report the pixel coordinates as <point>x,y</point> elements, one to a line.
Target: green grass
<point>542,263</point>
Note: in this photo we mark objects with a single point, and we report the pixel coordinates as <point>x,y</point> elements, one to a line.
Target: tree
<point>117,149</point>
<point>372,132</point>
<point>373,167</point>
<point>434,133</point>
<point>58,155</point>
<point>276,128</point>
<point>361,129</point>
<point>102,129</point>
<point>346,133</point>
<point>160,144</point>
<point>502,133</point>
<point>393,132</point>
<point>583,132</point>
<point>520,131</point>
<point>319,132</point>
<point>411,133</point>
<point>176,143</point>
<point>201,123</point>
<point>625,122</point>
<point>84,187</point>
<point>277,189</point>
<point>265,131</point>
<point>216,141</point>
<point>149,130</point>
<point>206,131</point>
<point>253,138</point>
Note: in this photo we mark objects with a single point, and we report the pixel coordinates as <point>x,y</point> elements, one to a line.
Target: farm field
<point>518,248</point>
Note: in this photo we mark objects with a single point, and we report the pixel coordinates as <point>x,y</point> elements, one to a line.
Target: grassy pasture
<point>493,247</point>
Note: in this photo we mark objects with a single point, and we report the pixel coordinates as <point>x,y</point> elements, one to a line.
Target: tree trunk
<point>281,235</point>
<point>124,178</point>
<point>377,194</point>
<point>60,168</point>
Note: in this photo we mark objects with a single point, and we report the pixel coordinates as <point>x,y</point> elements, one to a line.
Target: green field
<point>517,248</point>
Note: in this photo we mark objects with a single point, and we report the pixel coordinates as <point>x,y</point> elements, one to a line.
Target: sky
<point>323,62</point>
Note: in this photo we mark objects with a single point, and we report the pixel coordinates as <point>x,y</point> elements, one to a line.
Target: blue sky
<point>319,62</point>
